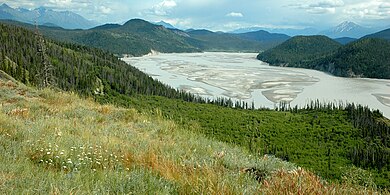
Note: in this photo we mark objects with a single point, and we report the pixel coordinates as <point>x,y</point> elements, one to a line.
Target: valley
<point>117,103</point>
<point>240,76</point>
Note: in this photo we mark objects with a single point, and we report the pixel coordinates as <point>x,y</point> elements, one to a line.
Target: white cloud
<point>235,14</point>
<point>105,10</point>
<point>320,7</point>
<point>60,3</point>
<point>163,8</point>
<point>376,9</point>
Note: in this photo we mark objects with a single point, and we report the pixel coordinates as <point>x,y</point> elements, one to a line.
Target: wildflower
<point>61,153</point>
<point>57,157</point>
<point>48,153</point>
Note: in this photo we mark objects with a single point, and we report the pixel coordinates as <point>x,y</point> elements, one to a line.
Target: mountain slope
<point>363,58</point>
<point>347,29</point>
<point>345,40</point>
<point>251,41</point>
<point>165,24</point>
<point>299,50</point>
<point>74,67</point>
<point>287,31</point>
<point>212,41</point>
<point>267,40</point>
<point>136,37</point>
<point>65,19</point>
<point>385,34</point>
<point>79,146</point>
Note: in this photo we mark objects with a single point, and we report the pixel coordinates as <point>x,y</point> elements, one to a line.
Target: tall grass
<point>55,143</point>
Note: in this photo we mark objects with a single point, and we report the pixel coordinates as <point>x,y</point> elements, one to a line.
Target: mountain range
<point>287,31</point>
<point>138,37</point>
<point>344,29</point>
<point>44,16</point>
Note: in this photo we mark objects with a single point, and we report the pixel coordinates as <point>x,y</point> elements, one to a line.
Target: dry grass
<point>56,143</point>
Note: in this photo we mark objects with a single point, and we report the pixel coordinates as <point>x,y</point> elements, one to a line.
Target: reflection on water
<point>241,77</point>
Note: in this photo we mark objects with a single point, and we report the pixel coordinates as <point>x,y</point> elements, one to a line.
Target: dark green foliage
<point>318,137</point>
<point>345,40</point>
<point>76,68</point>
<point>299,51</point>
<point>374,151</point>
<point>362,58</point>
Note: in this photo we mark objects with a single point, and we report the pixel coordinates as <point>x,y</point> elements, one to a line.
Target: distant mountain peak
<point>165,24</point>
<point>346,27</point>
<point>42,15</point>
<point>41,10</point>
<point>4,5</point>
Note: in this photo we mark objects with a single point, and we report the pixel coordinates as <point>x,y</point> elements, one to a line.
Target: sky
<point>226,15</point>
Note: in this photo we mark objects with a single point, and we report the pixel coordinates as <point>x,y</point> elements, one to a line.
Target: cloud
<point>60,3</point>
<point>320,7</point>
<point>105,10</point>
<point>235,14</point>
<point>377,9</point>
<point>163,8</point>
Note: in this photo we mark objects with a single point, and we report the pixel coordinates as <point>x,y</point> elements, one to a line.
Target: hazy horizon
<point>226,15</point>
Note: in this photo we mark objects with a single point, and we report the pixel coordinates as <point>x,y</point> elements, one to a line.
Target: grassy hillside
<point>56,143</point>
<point>324,139</point>
<point>299,51</point>
<point>345,135</point>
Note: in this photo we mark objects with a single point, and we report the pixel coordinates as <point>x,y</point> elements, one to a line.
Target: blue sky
<point>226,15</point>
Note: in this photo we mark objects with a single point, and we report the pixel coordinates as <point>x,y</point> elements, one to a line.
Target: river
<point>241,76</point>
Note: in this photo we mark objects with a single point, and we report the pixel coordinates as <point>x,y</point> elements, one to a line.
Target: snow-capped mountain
<point>347,29</point>
<point>42,15</point>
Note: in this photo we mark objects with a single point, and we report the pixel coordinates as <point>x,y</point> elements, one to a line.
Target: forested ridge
<point>138,37</point>
<point>74,67</point>
<point>299,51</point>
<point>307,136</point>
<point>367,57</point>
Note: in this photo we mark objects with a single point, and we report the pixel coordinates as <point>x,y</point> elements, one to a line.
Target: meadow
<point>54,142</point>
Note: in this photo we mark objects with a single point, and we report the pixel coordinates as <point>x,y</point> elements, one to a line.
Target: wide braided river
<point>240,76</point>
